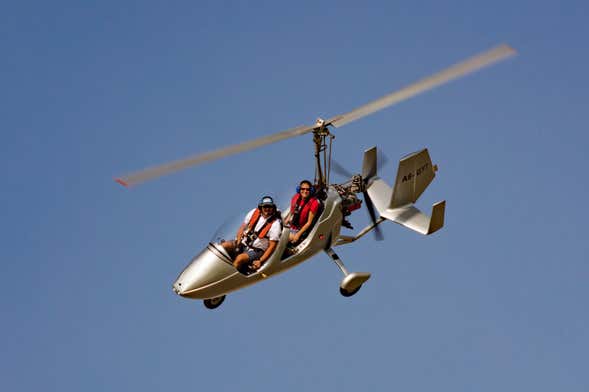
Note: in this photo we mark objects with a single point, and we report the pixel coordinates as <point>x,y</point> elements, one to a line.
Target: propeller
<point>461,69</point>
<point>338,168</point>
<point>370,207</point>
<point>367,174</point>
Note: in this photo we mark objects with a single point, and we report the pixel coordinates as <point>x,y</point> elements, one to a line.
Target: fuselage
<point>211,273</point>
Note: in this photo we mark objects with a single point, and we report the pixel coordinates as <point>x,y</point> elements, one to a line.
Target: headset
<point>311,190</point>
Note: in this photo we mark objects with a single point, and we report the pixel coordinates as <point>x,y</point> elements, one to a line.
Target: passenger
<point>304,206</point>
<point>256,238</point>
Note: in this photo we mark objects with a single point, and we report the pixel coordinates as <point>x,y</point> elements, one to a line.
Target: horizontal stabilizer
<point>412,218</point>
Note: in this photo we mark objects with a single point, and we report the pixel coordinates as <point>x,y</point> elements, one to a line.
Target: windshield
<point>227,230</point>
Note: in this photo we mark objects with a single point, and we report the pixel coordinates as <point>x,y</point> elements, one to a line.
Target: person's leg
<point>241,262</point>
<point>244,260</point>
<point>229,246</point>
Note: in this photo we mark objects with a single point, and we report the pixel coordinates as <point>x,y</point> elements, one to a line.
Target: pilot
<point>304,206</point>
<point>256,238</point>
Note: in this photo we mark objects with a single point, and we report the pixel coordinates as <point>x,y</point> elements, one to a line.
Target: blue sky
<point>494,301</point>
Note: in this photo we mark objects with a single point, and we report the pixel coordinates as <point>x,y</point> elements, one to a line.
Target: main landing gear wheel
<point>349,293</point>
<point>212,303</point>
<point>352,283</point>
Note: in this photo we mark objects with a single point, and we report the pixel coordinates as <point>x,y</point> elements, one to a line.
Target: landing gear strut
<point>352,282</point>
<point>212,303</point>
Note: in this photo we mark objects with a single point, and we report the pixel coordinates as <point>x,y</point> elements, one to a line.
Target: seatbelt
<point>250,238</point>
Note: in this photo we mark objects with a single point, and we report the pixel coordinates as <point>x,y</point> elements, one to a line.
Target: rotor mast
<point>320,134</point>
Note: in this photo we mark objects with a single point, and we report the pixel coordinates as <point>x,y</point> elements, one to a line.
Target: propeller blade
<point>339,169</point>
<point>461,69</point>
<point>381,161</point>
<point>377,233</point>
<point>372,164</point>
<point>168,168</point>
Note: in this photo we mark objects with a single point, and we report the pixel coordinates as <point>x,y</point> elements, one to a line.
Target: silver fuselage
<point>211,274</point>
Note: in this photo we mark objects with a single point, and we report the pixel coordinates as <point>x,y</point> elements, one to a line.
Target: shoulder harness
<point>265,228</point>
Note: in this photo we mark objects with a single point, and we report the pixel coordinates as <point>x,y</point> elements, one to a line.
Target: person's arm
<point>271,246</point>
<point>244,224</point>
<point>305,226</point>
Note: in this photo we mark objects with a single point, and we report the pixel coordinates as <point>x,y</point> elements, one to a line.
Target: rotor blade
<point>463,68</point>
<point>167,168</point>
<point>377,233</point>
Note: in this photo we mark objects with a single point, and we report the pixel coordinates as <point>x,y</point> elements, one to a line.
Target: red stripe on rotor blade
<point>123,183</point>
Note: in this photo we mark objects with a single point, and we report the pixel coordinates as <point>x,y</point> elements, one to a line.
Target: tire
<point>213,303</point>
<point>347,293</point>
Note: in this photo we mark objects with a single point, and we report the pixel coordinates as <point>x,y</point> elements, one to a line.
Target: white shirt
<point>273,233</point>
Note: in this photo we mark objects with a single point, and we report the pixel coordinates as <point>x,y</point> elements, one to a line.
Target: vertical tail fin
<point>415,173</point>
<point>369,164</point>
<point>437,220</point>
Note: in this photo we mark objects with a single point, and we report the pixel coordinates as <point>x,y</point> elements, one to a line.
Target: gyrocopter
<point>211,275</point>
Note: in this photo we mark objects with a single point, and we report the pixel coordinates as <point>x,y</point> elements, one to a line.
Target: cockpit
<point>228,233</point>
<point>211,272</point>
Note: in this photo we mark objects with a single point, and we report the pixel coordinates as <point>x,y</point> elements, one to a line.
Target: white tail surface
<point>410,217</point>
<point>415,173</point>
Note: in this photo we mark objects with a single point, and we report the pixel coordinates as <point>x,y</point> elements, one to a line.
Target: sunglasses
<point>267,206</point>
<point>305,189</point>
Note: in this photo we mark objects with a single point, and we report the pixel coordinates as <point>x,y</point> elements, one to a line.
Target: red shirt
<point>312,204</point>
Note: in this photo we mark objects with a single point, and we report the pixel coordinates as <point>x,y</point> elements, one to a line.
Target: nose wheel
<point>213,303</point>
